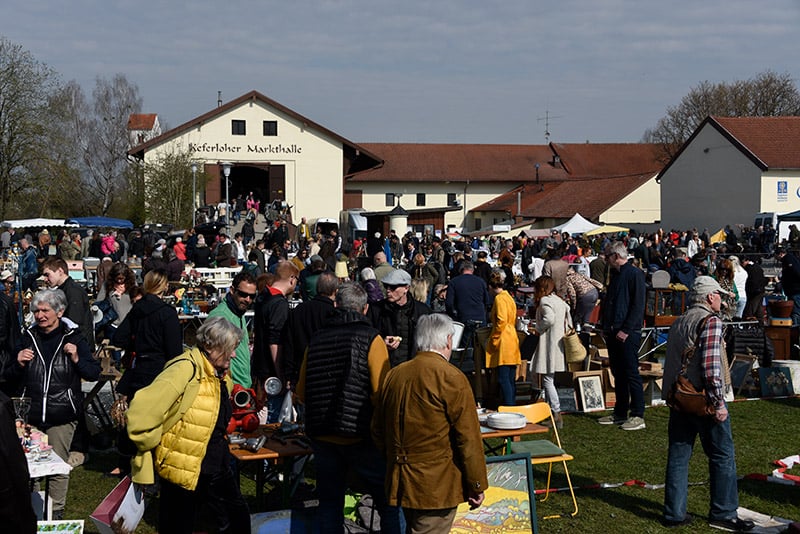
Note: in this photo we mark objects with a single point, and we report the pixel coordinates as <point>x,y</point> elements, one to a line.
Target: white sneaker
<point>610,420</point>
<point>634,423</point>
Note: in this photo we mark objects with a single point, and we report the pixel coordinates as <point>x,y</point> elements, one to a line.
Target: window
<point>478,224</point>
<point>270,127</point>
<point>238,127</point>
<point>420,199</point>
<point>451,199</point>
<point>390,199</point>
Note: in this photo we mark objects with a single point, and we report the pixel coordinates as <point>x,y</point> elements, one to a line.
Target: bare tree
<point>766,94</point>
<point>168,189</point>
<point>101,132</point>
<point>26,90</point>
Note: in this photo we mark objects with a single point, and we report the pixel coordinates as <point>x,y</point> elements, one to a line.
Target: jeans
<point>333,463</point>
<point>717,443</point>
<point>624,359</point>
<point>795,310</point>
<point>549,386</point>
<point>507,380</point>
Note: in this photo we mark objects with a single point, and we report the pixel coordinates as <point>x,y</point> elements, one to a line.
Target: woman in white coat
<point>552,319</point>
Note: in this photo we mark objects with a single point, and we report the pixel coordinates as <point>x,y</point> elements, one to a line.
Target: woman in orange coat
<point>502,347</point>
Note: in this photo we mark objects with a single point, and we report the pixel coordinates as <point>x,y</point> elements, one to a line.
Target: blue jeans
<point>795,310</point>
<point>506,379</point>
<point>624,360</point>
<point>717,443</point>
<point>333,463</point>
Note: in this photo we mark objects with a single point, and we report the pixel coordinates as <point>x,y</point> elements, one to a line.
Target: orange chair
<point>543,451</point>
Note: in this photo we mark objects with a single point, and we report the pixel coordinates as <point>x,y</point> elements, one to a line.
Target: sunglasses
<point>390,287</point>
<point>246,295</point>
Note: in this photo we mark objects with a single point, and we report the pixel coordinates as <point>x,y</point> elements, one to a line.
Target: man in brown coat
<point>426,423</point>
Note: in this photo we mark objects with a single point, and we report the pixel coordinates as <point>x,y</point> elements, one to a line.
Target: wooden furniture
<point>663,306</point>
<point>783,337</point>
<point>509,436</point>
<point>281,451</point>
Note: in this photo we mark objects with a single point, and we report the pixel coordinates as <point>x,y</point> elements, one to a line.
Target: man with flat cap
<point>700,329</point>
<point>396,316</point>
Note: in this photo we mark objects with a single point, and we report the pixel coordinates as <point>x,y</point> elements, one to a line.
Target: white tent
<point>576,225</point>
<point>38,223</point>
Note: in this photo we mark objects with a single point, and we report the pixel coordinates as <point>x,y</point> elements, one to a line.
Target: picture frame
<point>590,391</point>
<point>775,381</point>
<point>509,504</point>
<point>740,369</point>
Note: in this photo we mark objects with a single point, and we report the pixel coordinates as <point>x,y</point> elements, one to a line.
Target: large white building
<point>279,154</point>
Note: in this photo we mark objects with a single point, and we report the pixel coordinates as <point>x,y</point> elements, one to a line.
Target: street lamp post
<point>226,171</point>
<point>194,194</point>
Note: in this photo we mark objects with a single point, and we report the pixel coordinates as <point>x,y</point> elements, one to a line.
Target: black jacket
<point>153,333</point>
<point>78,310</point>
<point>305,321</point>
<point>270,327</point>
<point>9,336</point>
<point>338,379</point>
<point>623,305</point>
<point>51,379</point>
<point>387,318</point>
<point>16,512</point>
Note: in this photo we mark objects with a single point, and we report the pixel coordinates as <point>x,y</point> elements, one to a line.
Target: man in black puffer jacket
<point>345,366</point>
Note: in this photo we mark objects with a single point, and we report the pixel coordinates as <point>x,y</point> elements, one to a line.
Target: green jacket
<point>240,365</point>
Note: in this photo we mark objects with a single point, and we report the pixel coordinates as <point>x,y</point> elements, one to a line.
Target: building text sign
<point>225,148</point>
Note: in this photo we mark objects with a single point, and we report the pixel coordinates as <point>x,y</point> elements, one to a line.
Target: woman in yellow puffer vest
<point>178,424</point>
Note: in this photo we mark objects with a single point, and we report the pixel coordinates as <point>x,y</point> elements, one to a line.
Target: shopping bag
<point>123,508</point>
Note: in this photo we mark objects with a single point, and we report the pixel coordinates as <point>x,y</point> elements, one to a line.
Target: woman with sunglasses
<point>117,290</point>
<point>151,334</point>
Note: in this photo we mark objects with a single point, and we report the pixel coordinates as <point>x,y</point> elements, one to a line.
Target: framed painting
<point>741,366</point>
<point>509,505</point>
<point>775,381</point>
<point>590,391</point>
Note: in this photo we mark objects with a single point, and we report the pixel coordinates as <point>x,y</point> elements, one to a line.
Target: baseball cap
<point>6,274</point>
<point>705,285</point>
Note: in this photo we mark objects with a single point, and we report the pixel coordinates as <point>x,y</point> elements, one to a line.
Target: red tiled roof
<point>773,140</point>
<point>590,160</point>
<point>142,121</point>
<point>589,197</point>
<point>410,162</point>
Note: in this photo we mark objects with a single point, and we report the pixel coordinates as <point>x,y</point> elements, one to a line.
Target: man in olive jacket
<point>426,423</point>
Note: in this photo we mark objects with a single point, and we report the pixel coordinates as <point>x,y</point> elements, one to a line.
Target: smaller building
<point>730,169</point>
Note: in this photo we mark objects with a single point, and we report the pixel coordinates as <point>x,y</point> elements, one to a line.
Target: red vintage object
<point>244,418</point>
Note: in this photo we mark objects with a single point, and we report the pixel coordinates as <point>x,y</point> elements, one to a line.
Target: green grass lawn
<point>764,431</point>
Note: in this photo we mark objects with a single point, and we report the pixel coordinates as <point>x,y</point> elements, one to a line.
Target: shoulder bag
<point>683,396</point>
<point>574,351</point>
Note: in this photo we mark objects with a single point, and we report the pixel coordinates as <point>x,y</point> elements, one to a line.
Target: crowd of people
<point>375,316</point>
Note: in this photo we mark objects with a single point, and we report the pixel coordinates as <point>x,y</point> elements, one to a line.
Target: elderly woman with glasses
<point>54,359</point>
<point>151,335</point>
<point>178,424</point>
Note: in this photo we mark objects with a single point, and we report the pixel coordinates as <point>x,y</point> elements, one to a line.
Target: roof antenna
<point>219,98</point>
<point>546,120</point>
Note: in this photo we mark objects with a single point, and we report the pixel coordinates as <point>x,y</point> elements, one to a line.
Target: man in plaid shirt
<point>707,369</point>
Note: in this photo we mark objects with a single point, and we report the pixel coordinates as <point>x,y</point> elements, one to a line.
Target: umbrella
<point>607,229</point>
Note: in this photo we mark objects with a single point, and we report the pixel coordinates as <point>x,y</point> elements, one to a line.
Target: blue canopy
<point>106,222</point>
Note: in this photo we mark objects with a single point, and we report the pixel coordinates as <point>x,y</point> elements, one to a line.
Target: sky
<point>418,71</point>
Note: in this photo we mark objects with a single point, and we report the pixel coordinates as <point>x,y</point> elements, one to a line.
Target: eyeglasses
<point>390,287</point>
<point>246,295</point>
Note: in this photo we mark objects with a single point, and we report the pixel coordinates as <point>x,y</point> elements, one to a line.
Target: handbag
<point>574,351</point>
<point>683,396</point>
